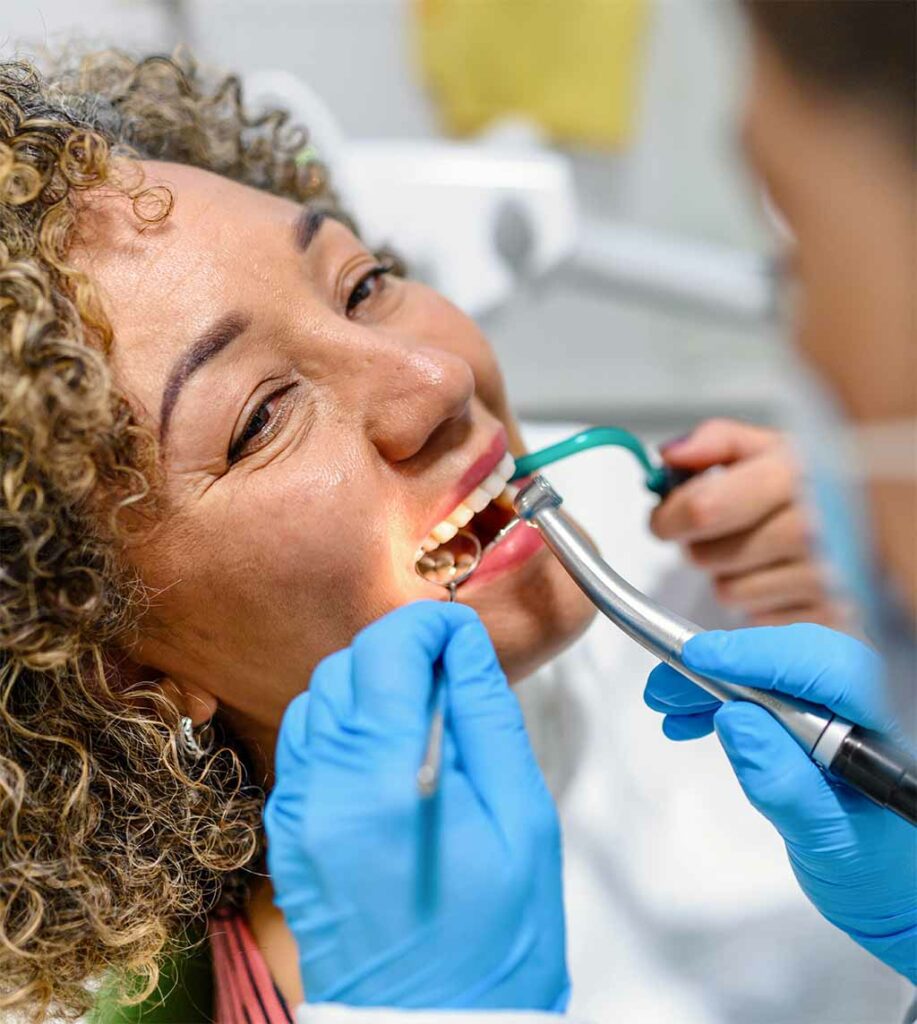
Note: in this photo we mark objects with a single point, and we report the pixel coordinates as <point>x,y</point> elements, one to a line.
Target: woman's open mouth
<point>486,512</point>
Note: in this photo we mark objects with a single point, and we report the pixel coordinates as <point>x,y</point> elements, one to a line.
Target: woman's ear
<point>193,702</point>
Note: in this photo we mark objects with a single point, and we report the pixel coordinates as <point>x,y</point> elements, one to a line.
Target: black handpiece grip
<point>672,478</point>
<point>869,763</point>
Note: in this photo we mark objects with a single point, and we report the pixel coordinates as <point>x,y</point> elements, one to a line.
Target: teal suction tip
<point>659,479</point>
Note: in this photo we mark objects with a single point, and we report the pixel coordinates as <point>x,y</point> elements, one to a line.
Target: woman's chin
<point>532,610</point>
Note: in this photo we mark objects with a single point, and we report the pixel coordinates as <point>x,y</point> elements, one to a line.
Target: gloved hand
<point>454,902</point>
<point>855,861</point>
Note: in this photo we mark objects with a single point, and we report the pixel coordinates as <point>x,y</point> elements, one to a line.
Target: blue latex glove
<point>454,902</point>
<point>855,861</point>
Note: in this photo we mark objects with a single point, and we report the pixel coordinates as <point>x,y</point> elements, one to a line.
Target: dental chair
<point>474,220</point>
<point>420,193</point>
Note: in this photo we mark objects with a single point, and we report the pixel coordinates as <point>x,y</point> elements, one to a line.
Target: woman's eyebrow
<point>306,225</point>
<point>217,336</point>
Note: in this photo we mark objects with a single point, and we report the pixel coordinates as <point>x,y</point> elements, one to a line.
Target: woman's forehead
<point>211,222</point>
<point>206,211</point>
<point>160,283</point>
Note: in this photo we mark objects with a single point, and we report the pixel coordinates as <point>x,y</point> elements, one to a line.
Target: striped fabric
<point>245,992</point>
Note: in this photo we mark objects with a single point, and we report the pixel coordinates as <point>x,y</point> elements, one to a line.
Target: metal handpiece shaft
<point>827,738</point>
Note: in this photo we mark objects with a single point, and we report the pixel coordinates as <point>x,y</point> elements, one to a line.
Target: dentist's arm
<point>398,903</point>
<point>855,861</point>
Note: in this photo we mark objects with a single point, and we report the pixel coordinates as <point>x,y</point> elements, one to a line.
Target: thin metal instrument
<point>863,759</point>
<point>448,566</point>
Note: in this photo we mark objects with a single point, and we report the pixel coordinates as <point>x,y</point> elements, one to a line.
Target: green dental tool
<point>659,479</point>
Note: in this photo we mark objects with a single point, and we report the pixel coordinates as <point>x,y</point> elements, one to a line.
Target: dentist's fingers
<point>833,614</point>
<point>394,661</point>
<point>782,537</point>
<point>330,694</point>
<point>283,806</point>
<point>491,741</point>
<point>773,770</point>
<point>805,660</point>
<point>670,692</point>
<point>773,589</point>
<point>718,442</point>
<point>759,477</point>
<point>688,727</point>
<point>719,504</point>
<point>687,708</point>
<point>746,526</point>
<point>291,741</point>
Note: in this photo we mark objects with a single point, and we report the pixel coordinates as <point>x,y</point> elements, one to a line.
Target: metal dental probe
<point>454,574</point>
<point>861,758</point>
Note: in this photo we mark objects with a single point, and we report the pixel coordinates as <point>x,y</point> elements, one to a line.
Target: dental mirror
<point>449,565</point>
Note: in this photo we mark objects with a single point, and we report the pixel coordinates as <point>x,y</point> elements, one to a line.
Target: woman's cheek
<point>488,376</point>
<point>490,387</point>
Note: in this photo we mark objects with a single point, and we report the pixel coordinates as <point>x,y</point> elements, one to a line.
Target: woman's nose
<point>414,393</point>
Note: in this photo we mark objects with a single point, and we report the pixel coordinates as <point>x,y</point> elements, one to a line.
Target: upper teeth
<point>470,505</point>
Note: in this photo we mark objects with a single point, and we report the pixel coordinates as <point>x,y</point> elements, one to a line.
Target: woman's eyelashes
<point>270,414</point>
<point>370,284</point>
<point>263,424</point>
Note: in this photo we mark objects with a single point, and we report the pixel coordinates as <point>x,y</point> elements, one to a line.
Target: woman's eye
<point>368,285</point>
<point>262,422</point>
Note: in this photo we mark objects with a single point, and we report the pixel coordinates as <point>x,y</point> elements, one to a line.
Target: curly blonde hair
<point>112,838</point>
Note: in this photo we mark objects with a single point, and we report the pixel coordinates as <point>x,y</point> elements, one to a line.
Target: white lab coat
<point>334,1013</point>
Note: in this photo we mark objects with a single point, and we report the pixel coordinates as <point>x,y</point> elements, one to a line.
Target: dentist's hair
<point>857,49</point>
<point>112,837</point>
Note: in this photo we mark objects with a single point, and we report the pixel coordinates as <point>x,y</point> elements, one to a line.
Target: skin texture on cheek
<point>264,588</point>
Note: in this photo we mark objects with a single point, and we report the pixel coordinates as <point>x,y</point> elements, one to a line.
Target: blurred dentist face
<point>317,418</point>
<point>844,181</point>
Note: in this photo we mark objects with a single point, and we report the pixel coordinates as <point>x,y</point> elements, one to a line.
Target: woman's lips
<point>482,466</point>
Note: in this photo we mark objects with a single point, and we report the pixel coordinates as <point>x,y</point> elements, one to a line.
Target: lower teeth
<point>441,565</point>
<point>451,561</point>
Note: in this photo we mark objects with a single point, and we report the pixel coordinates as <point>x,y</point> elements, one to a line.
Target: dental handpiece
<point>861,758</point>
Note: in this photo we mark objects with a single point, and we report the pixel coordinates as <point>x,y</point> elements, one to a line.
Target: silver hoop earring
<point>189,742</point>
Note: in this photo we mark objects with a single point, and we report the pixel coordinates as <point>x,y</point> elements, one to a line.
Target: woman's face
<point>317,421</point>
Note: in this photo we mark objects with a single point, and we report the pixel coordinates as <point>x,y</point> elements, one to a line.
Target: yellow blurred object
<point>571,66</point>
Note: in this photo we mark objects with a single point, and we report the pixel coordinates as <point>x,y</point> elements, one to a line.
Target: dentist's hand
<point>746,526</point>
<point>395,901</point>
<point>855,861</point>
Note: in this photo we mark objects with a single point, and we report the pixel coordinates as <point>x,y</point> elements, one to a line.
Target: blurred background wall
<point>571,347</point>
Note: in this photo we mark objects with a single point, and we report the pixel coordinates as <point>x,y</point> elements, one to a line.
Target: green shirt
<point>184,995</point>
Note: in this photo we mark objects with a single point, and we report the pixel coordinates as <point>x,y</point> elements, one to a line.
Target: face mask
<point>838,461</point>
<point>819,433</point>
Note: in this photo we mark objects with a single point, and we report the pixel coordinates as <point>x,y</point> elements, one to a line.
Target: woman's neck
<point>275,940</point>
<point>268,928</point>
